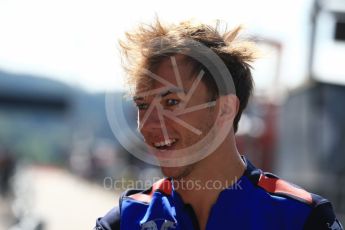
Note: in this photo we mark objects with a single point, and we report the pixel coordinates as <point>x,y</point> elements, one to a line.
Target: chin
<point>176,172</point>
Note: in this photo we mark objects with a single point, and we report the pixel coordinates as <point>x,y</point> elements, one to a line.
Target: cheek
<point>201,120</point>
<point>200,117</point>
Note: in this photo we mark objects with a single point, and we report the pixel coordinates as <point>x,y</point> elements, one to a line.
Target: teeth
<point>168,142</point>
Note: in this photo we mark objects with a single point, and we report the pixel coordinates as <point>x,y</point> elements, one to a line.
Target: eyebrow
<point>163,94</point>
<point>171,91</point>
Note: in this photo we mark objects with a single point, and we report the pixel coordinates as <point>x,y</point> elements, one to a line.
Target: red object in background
<point>260,149</point>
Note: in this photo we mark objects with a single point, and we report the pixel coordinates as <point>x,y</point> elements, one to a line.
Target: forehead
<point>173,68</point>
<point>171,72</point>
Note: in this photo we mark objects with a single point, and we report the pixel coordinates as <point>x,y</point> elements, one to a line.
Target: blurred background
<point>58,60</point>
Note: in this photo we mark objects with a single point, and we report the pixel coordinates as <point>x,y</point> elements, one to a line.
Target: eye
<point>172,102</point>
<point>142,106</point>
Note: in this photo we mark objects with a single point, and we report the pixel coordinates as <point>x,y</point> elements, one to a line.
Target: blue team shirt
<point>257,201</point>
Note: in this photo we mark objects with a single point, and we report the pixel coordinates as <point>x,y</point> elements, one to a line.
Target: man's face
<point>168,118</point>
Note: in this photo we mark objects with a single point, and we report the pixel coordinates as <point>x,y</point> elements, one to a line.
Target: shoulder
<point>320,214</point>
<point>111,221</point>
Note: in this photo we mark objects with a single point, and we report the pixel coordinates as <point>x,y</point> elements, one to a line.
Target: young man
<point>191,85</point>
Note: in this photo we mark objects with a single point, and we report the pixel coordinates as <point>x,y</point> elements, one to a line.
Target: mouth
<point>168,144</point>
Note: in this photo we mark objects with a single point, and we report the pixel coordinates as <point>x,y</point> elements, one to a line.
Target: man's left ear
<point>228,108</point>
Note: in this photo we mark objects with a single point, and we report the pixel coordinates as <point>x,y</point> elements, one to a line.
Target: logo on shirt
<point>153,225</point>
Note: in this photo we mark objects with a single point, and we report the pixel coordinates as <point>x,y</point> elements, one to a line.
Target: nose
<point>149,121</point>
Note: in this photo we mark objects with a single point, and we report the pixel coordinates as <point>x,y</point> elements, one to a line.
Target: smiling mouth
<point>166,144</point>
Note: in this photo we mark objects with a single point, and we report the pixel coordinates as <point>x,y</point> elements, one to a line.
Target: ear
<point>228,108</point>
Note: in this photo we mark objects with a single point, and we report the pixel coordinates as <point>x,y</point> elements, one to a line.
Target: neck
<point>214,173</point>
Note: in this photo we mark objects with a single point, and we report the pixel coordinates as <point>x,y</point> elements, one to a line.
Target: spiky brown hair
<point>148,45</point>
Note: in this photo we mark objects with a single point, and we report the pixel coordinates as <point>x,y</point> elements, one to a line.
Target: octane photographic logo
<point>131,139</point>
